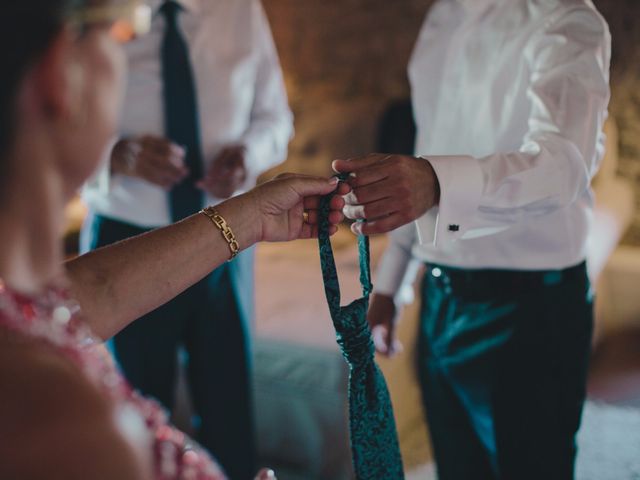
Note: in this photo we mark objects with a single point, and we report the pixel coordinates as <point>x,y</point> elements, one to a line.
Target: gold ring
<point>305,217</point>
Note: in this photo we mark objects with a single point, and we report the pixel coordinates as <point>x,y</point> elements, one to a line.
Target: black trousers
<point>503,359</point>
<point>205,321</point>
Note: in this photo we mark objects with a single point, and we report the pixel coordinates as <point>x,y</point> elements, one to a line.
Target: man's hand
<point>227,173</point>
<point>388,191</point>
<point>382,319</point>
<point>154,159</point>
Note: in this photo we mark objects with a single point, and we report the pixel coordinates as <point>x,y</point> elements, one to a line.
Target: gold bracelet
<point>224,228</point>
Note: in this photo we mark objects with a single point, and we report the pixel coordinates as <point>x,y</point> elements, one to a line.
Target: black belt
<point>462,280</point>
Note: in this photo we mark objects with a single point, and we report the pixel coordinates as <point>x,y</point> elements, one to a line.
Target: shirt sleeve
<point>102,180</point>
<point>396,264</point>
<point>560,153</point>
<point>271,123</point>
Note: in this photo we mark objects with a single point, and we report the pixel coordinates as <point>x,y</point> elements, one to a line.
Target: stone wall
<point>345,60</point>
<point>623,17</point>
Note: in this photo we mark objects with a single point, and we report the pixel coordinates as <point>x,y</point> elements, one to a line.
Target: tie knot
<point>170,10</point>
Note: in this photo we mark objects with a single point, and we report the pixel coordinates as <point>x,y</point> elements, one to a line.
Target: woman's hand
<point>287,206</point>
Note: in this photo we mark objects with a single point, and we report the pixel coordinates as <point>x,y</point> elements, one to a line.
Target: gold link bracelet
<point>225,230</point>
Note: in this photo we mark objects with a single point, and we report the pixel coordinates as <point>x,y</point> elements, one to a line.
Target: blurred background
<point>345,67</point>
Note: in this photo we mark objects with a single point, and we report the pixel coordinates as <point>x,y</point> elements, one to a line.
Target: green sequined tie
<point>374,442</point>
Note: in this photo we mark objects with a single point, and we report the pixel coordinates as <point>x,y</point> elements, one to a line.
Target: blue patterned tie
<point>182,125</point>
<point>374,441</point>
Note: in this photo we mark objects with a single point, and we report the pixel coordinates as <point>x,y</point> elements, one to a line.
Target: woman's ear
<point>59,79</point>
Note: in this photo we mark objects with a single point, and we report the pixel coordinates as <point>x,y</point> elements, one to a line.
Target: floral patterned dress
<point>55,320</point>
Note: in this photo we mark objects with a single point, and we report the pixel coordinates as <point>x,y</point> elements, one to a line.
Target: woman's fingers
<point>313,202</point>
<point>311,231</point>
<point>335,217</point>
<point>309,186</point>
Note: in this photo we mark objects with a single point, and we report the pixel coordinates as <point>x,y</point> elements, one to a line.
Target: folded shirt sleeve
<point>558,156</point>
<point>271,124</point>
<point>396,268</point>
<point>102,181</point>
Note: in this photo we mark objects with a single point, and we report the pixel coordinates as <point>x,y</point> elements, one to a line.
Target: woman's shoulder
<point>39,383</point>
<point>54,423</point>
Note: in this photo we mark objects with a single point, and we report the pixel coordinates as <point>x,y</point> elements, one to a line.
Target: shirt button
<point>454,228</point>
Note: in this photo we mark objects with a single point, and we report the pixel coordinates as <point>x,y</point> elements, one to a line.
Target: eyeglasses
<point>126,21</point>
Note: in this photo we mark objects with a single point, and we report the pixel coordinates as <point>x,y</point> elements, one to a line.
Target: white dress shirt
<point>241,100</point>
<point>510,97</point>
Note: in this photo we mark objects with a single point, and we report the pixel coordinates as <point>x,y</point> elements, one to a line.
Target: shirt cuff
<point>102,180</point>
<point>461,185</point>
<point>391,271</point>
<point>259,154</point>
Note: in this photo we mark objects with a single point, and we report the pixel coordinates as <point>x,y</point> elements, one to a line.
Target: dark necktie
<point>374,442</point>
<point>182,125</point>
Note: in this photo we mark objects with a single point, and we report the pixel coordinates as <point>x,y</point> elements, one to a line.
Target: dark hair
<point>28,26</point>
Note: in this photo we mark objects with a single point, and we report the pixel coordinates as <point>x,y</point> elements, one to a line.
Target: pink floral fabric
<point>55,319</point>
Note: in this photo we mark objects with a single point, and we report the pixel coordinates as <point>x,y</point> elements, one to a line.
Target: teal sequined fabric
<point>374,441</point>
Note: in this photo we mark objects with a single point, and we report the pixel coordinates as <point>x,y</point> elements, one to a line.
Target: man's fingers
<point>234,160</point>
<point>223,160</point>
<point>156,177</point>
<point>370,211</point>
<point>343,188</point>
<point>211,178</point>
<point>385,341</point>
<point>238,174</point>
<point>379,226</point>
<point>233,176</point>
<point>366,177</point>
<point>391,337</point>
<point>348,166</point>
<point>164,164</point>
<point>380,334</point>
<point>162,146</point>
<point>383,190</point>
